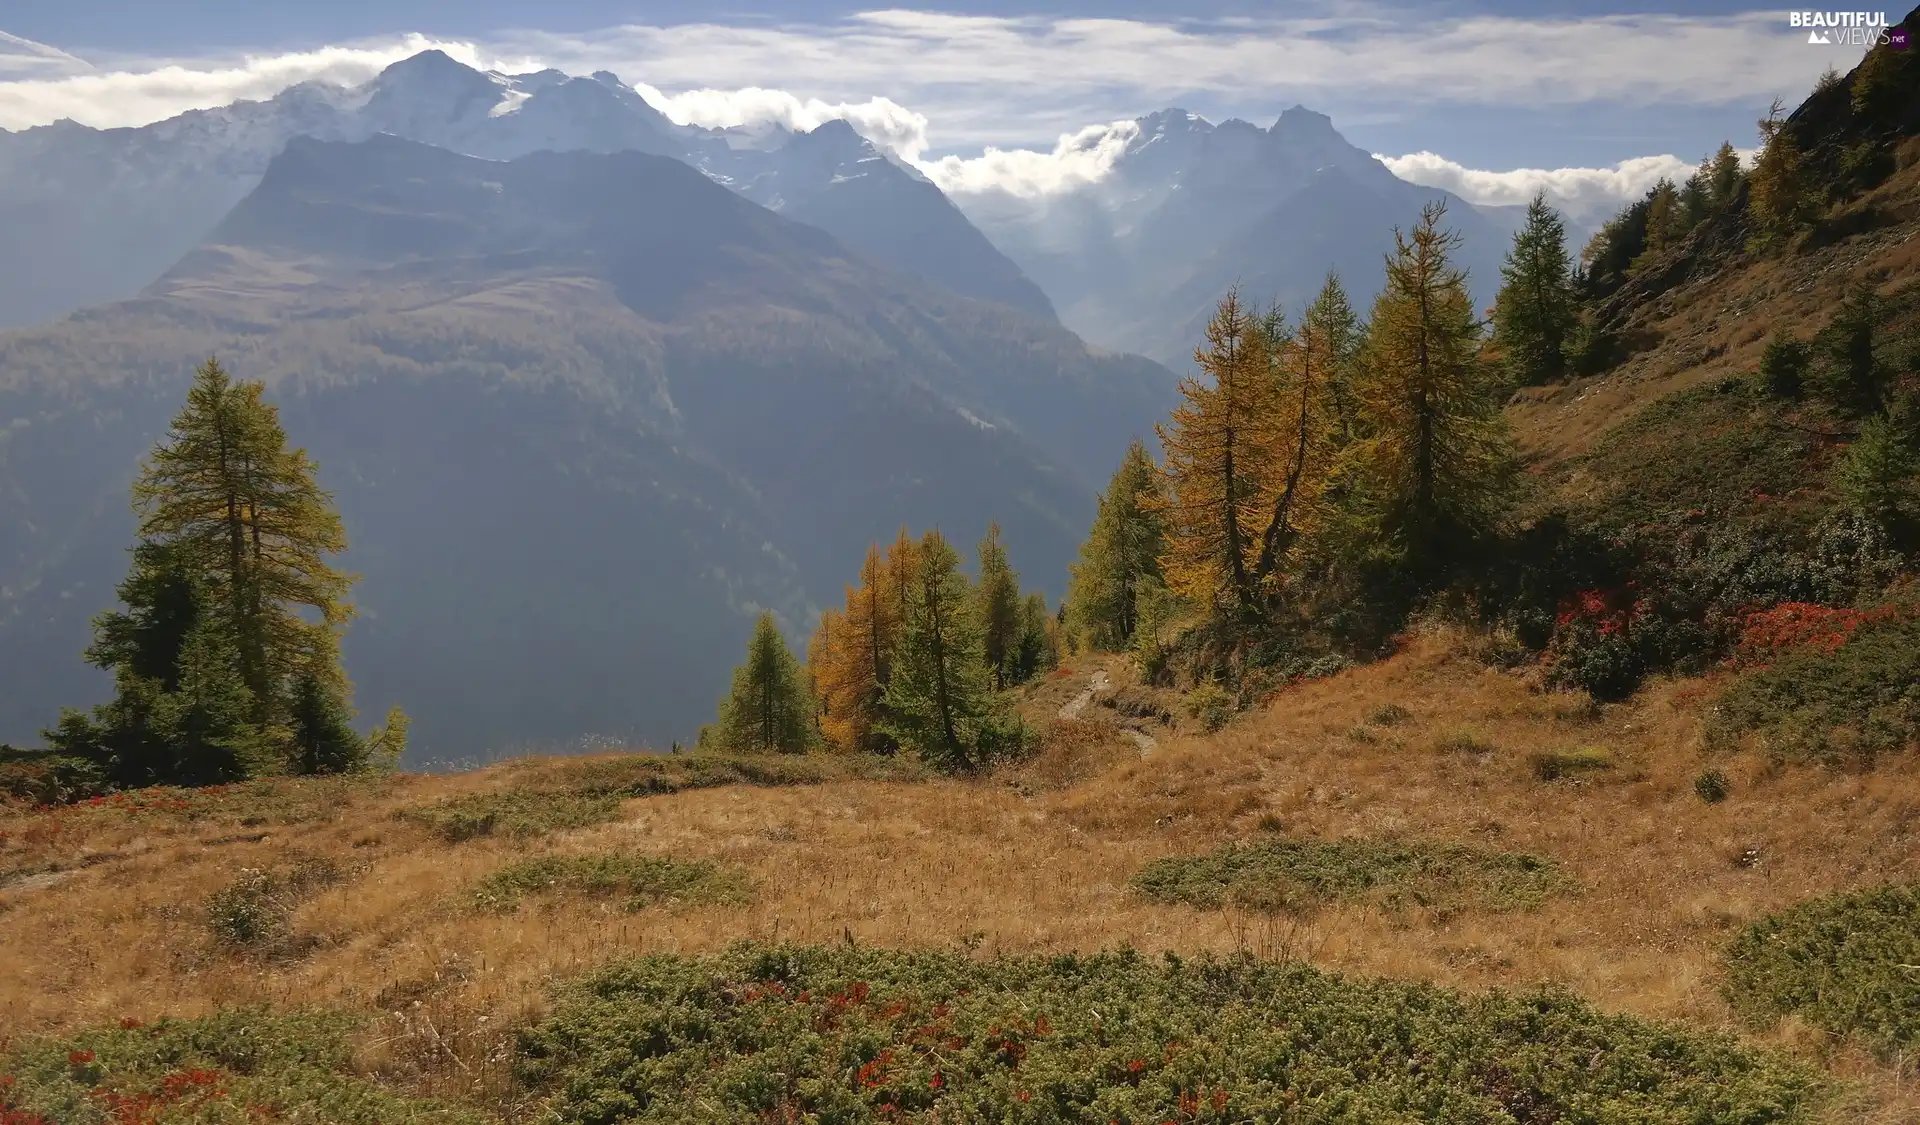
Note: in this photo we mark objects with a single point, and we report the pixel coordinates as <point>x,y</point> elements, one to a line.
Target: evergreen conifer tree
<point>1880,475</point>
<point>1039,648</point>
<point>1332,320</point>
<point>996,601</point>
<point>217,673</point>
<point>1121,551</point>
<point>767,710</point>
<point>1438,463</point>
<point>1534,315</point>
<point>938,701</point>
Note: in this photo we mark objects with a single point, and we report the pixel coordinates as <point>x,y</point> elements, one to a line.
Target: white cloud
<point>1586,195</point>
<point>138,95</point>
<point>998,80</point>
<point>1078,159</point>
<point>880,120</point>
<point>23,58</point>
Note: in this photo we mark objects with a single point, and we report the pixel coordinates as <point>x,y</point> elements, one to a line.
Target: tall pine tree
<point>851,657</point>
<point>226,659</point>
<point>996,600</point>
<point>1438,460</point>
<point>245,512</point>
<point>1535,312</point>
<point>937,700</point>
<point>1121,552</point>
<point>1305,435</point>
<point>767,710</point>
<point>1220,447</point>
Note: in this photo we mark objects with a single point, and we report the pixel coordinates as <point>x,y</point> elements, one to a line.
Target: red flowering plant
<point>1768,634</point>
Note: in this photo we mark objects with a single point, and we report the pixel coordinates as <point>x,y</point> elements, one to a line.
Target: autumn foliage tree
<point>1220,459</point>
<point>851,654</point>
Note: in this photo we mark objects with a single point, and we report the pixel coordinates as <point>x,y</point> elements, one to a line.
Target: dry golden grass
<point>1037,860</point>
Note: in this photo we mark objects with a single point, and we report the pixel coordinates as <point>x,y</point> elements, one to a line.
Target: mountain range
<point>591,386</point>
<point>584,414</point>
<point>102,212</point>
<point>1137,259</point>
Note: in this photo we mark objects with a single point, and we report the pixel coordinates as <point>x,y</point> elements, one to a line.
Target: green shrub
<point>1712,786</point>
<point>642,881</point>
<point>1859,699</point>
<point>1389,715</point>
<point>1783,365</point>
<point>254,912</point>
<point>1290,874</point>
<point>1558,765</point>
<point>1844,963</point>
<point>238,1066</point>
<point>515,812</point>
<point>1461,741</point>
<point>857,1036</point>
<point>562,795</point>
<point>44,777</point>
<point>1211,704</point>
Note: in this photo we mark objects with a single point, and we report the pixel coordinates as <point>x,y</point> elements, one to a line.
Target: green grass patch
<point>556,795</point>
<point>515,812</point>
<point>1860,699</point>
<point>849,1036</point>
<point>1461,741</point>
<point>233,1068</point>
<point>641,881</point>
<point>1560,765</point>
<point>1719,446</point>
<point>1847,963</point>
<point>1281,874</point>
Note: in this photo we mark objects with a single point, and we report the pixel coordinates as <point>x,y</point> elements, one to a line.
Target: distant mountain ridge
<point>104,212</point>
<point>1190,208</point>
<point>584,414</point>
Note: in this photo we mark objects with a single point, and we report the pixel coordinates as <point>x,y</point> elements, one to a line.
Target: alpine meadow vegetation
<point>1420,655</point>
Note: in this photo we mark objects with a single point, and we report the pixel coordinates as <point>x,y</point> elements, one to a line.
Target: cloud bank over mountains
<point>968,99</point>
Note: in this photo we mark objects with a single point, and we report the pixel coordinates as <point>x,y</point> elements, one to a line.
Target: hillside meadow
<point>367,896</point>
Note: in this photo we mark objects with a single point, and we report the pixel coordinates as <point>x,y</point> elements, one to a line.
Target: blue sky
<point>1492,86</point>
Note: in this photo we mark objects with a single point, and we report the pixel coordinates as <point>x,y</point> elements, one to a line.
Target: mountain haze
<point>1137,259</point>
<point>584,414</point>
<point>106,211</point>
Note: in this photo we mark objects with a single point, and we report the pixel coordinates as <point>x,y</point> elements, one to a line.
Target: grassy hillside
<point>433,918</point>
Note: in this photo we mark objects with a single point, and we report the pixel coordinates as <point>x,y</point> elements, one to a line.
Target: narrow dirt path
<point>1096,684</point>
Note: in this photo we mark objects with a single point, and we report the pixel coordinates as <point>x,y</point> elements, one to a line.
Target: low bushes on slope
<point>235,1068</point>
<point>1283,874</point>
<point>1847,963</point>
<point>1827,682</point>
<point>786,1034</point>
<point>563,795</point>
<point>641,881</point>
